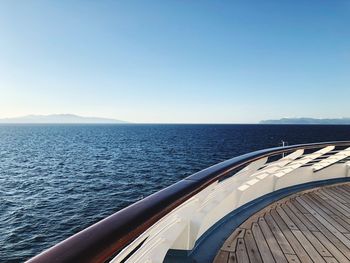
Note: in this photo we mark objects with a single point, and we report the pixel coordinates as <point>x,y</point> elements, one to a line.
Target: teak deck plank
<point>332,239</point>
<point>271,241</point>
<point>308,246</point>
<point>297,247</point>
<point>261,243</point>
<point>337,205</point>
<point>242,255</point>
<point>222,257</point>
<point>311,238</point>
<point>292,258</point>
<point>310,226</point>
<point>294,218</point>
<point>231,242</point>
<point>334,208</point>
<point>331,260</point>
<point>331,247</point>
<point>338,213</point>
<point>252,249</point>
<point>344,194</point>
<point>333,196</point>
<point>320,215</point>
<point>279,236</point>
<point>301,216</point>
<point>286,219</point>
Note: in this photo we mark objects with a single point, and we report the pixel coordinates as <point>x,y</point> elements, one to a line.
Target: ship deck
<point>309,226</point>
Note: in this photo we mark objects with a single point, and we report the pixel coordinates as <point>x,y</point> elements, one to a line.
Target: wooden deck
<point>310,226</point>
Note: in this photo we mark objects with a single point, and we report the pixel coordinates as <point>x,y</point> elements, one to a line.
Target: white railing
<point>183,226</point>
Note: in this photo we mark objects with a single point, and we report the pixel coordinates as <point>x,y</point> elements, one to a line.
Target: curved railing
<point>177,216</point>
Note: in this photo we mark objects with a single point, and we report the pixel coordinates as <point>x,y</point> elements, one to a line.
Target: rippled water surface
<point>58,179</point>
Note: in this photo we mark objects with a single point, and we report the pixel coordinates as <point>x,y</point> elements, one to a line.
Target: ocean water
<point>56,180</point>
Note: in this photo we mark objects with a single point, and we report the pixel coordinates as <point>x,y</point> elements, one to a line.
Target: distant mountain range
<point>340,121</point>
<point>60,119</point>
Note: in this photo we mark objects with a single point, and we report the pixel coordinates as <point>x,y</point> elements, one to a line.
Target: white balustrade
<point>183,226</point>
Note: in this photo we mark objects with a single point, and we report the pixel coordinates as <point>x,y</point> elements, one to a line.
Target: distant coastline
<point>59,119</point>
<point>311,121</point>
<point>76,119</point>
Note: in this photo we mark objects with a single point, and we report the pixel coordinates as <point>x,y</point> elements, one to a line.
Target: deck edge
<point>212,240</point>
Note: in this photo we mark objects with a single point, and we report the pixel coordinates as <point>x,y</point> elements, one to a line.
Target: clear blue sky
<point>175,61</point>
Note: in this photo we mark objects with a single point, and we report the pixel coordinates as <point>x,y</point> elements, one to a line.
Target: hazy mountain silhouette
<point>339,121</point>
<point>59,118</point>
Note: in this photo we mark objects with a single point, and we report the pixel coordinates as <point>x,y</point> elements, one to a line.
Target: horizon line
<point>170,123</point>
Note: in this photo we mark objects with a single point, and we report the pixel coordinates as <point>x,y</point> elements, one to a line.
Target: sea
<point>56,180</point>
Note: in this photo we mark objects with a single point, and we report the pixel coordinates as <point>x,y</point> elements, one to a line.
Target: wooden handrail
<point>99,242</point>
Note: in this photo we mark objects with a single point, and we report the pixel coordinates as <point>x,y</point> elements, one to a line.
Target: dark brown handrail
<point>101,241</point>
